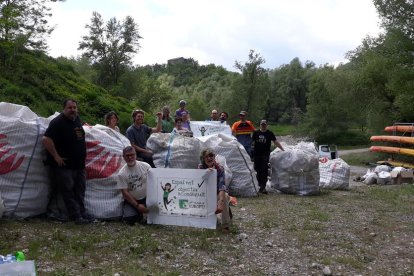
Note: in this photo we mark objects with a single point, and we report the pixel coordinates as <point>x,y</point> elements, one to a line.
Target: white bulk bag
<point>24,182</point>
<point>103,162</point>
<point>295,170</point>
<point>2,208</point>
<point>244,181</point>
<point>174,150</point>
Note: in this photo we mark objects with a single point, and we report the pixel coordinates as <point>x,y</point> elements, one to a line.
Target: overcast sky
<point>224,31</point>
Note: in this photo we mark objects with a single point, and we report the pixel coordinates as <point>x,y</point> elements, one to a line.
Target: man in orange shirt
<point>243,130</point>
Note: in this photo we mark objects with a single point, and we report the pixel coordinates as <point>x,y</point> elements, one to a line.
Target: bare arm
<point>50,147</point>
<point>220,202</point>
<point>131,200</point>
<point>158,128</point>
<point>277,144</point>
<point>138,149</point>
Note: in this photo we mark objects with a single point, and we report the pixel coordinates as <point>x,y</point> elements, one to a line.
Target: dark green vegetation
<point>341,105</point>
<point>367,230</point>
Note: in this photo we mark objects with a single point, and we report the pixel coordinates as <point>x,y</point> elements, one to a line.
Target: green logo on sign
<point>183,203</point>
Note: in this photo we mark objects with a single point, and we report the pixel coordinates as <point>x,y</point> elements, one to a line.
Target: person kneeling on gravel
<point>132,181</point>
<point>208,161</point>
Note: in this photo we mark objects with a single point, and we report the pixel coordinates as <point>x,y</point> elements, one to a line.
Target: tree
<point>251,89</point>
<point>23,24</point>
<point>110,46</point>
<point>147,92</point>
<point>397,14</point>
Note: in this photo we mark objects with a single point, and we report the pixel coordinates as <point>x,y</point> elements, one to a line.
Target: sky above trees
<point>222,32</point>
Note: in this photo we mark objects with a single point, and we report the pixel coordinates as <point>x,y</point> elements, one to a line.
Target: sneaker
<point>81,220</point>
<point>263,191</point>
<point>57,217</point>
<point>225,230</point>
<point>88,217</point>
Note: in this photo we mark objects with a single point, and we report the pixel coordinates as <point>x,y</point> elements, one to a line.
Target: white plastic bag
<point>334,174</point>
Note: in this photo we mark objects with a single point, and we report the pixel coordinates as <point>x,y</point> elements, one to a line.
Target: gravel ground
<point>366,230</point>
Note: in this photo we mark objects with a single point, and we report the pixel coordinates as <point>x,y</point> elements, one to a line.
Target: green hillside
<point>42,83</point>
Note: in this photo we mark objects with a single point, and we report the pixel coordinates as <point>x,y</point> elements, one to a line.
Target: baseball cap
<point>182,102</point>
<point>243,113</point>
<point>263,122</point>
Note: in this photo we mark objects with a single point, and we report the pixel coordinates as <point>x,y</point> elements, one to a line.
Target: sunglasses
<point>211,155</point>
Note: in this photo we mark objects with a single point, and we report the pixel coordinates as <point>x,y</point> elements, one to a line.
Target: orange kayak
<point>394,139</point>
<point>407,128</point>
<point>392,150</point>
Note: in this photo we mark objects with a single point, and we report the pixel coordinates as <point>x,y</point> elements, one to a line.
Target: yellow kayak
<point>393,150</point>
<point>397,164</point>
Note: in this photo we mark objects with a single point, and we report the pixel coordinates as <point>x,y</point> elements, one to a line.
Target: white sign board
<point>184,197</point>
<point>205,128</point>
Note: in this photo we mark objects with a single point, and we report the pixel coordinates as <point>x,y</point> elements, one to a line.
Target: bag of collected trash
<point>243,181</point>
<point>174,150</point>
<point>2,208</point>
<point>103,161</point>
<point>384,178</point>
<point>382,168</point>
<point>24,182</point>
<point>334,174</point>
<point>370,177</point>
<point>295,170</point>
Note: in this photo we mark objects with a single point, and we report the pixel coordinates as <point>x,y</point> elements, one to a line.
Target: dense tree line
<point>339,104</point>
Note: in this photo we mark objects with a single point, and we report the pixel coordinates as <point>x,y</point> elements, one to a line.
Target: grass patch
<point>358,159</point>
<point>401,198</point>
<point>349,260</point>
<point>282,129</point>
<point>318,215</point>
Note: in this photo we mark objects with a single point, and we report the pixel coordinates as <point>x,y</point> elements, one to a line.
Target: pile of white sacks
<point>380,175</point>
<point>299,170</point>
<point>24,182</point>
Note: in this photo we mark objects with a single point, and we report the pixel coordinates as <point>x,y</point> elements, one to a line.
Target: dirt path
<point>352,151</point>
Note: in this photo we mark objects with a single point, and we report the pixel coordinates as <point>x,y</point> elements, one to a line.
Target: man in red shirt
<point>243,130</point>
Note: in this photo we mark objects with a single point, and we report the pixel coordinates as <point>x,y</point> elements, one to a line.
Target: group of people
<point>64,141</point>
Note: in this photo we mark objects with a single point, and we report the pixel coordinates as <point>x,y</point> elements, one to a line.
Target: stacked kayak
<point>405,143</point>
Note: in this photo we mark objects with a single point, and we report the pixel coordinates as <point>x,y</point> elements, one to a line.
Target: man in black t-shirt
<point>262,139</point>
<point>64,141</point>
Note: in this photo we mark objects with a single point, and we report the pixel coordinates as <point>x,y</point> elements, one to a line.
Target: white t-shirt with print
<point>134,179</point>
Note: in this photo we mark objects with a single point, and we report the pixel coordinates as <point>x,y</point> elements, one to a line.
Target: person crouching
<point>132,181</point>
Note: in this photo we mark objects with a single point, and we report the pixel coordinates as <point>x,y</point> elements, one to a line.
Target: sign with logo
<point>205,128</point>
<point>184,197</point>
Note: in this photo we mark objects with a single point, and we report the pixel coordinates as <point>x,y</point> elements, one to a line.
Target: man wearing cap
<point>243,131</point>
<point>138,134</point>
<point>262,139</point>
